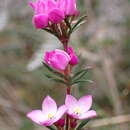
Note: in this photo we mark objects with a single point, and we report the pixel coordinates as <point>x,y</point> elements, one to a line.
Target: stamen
<point>50,116</point>
<point>77,111</point>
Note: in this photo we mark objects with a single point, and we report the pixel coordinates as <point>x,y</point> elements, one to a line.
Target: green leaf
<point>82,124</point>
<point>81,20</point>
<point>54,71</point>
<point>50,77</point>
<point>78,26</point>
<point>81,81</point>
<point>80,73</point>
<point>78,77</point>
<point>50,127</point>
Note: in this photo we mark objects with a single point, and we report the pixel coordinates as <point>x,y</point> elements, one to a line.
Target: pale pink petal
<point>40,21</point>
<point>36,116</point>
<point>47,122</point>
<point>70,101</point>
<point>87,115</point>
<point>85,103</point>
<point>61,111</point>
<point>49,106</point>
<point>56,16</point>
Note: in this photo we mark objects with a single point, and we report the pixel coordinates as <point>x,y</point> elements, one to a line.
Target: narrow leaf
<point>81,81</point>
<point>78,22</point>
<point>78,77</point>
<point>50,128</point>
<point>79,73</point>
<point>82,124</point>
<point>54,71</point>
<point>55,79</point>
<point>78,26</point>
<point>48,67</point>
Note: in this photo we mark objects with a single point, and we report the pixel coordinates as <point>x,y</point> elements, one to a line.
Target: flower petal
<point>70,7</point>
<point>59,62</point>
<point>70,101</point>
<point>47,123</point>
<point>36,116</point>
<point>87,115</point>
<point>61,111</point>
<point>56,16</point>
<point>49,106</point>
<point>85,103</point>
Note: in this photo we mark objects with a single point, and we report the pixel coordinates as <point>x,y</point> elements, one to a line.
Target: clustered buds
<point>46,11</point>
<point>59,59</point>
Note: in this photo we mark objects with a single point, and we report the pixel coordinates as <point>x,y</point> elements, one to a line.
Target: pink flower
<point>45,11</point>
<point>57,59</point>
<point>79,109</point>
<point>49,113</point>
<point>74,59</point>
<point>69,7</point>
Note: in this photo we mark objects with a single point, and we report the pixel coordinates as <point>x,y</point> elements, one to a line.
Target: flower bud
<point>74,59</point>
<point>60,123</point>
<point>56,16</point>
<point>71,8</point>
<point>40,21</point>
<point>73,124</point>
<point>57,59</point>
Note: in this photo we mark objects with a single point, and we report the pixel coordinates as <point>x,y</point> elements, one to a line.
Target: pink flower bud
<point>56,16</point>
<point>57,59</point>
<point>71,8</point>
<point>74,59</point>
<point>73,124</point>
<point>60,123</point>
<point>40,21</point>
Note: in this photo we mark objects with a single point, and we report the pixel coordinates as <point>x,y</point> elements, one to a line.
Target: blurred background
<point>103,42</point>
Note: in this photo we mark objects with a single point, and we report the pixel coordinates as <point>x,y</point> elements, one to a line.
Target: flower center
<point>77,111</point>
<point>50,116</point>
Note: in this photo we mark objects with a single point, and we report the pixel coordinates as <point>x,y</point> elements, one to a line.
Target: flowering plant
<point>60,18</point>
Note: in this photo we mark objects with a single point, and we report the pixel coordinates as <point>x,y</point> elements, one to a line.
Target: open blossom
<point>49,113</point>
<point>51,10</point>
<point>79,109</point>
<point>57,59</point>
<point>74,59</point>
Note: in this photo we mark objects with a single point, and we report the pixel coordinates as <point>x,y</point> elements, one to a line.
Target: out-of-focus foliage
<point>103,43</point>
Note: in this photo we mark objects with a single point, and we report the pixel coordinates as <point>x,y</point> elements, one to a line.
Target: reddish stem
<point>68,91</point>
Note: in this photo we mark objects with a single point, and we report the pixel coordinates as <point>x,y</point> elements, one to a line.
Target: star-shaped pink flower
<point>49,113</point>
<point>80,109</point>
